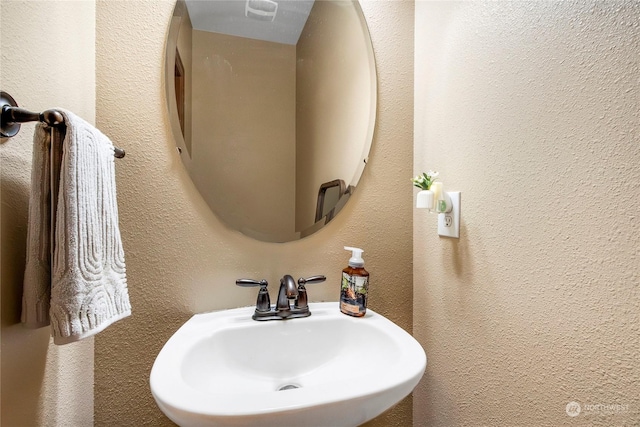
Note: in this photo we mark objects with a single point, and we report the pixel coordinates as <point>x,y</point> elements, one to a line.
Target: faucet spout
<point>288,291</point>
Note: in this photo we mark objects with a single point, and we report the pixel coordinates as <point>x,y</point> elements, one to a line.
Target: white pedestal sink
<point>327,370</point>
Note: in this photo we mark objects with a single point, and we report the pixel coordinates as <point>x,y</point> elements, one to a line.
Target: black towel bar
<point>12,116</point>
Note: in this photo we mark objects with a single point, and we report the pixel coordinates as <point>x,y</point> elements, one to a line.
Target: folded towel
<point>88,285</point>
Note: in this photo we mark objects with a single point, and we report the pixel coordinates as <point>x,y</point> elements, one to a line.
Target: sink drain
<point>288,387</point>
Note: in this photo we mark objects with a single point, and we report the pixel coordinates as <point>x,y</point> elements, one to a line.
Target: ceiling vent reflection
<point>262,10</point>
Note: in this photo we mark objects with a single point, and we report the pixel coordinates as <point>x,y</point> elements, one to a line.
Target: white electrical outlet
<point>448,220</point>
<point>449,223</point>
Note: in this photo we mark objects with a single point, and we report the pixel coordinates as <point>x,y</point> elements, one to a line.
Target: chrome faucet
<point>288,292</point>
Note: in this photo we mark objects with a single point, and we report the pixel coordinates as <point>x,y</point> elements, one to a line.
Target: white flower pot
<point>424,199</point>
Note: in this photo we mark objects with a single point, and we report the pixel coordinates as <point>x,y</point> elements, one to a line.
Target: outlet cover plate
<point>449,223</point>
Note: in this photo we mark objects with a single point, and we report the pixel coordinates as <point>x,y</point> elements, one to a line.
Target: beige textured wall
<point>531,109</point>
<point>335,103</point>
<point>244,131</point>
<point>181,260</point>
<point>42,384</point>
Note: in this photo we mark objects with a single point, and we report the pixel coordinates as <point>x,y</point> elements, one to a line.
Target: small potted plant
<point>425,197</point>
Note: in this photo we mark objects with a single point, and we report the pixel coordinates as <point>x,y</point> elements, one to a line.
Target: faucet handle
<point>263,303</point>
<point>309,280</point>
<point>247,283</point>
<point>301,302</point>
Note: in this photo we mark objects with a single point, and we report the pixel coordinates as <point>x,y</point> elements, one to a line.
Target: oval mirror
<point>272,106</point>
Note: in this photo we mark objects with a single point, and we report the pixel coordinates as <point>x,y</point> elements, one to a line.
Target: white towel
<point>36,296</point>
<point>86,290</point>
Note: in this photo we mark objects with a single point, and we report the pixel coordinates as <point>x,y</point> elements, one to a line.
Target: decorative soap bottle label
<point>353,294</point>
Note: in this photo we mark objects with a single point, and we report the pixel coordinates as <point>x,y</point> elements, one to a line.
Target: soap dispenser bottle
<point>355,284</point>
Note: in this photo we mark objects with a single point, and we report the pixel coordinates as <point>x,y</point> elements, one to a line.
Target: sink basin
<point>225,369</point>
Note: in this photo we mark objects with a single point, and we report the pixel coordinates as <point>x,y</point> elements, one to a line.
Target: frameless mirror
<point>271,104</point>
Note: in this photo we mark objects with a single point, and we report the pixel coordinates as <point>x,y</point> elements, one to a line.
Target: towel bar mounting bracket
<point>9,127</point>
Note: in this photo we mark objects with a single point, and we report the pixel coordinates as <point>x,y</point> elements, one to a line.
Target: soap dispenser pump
<point>355,285</point>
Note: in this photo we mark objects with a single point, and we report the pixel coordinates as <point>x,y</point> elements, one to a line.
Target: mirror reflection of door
<point>179,76</point>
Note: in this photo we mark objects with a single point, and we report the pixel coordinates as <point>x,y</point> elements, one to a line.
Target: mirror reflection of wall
<point>244,130</point>
<point>269,121</point>
<point>331,66</point>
